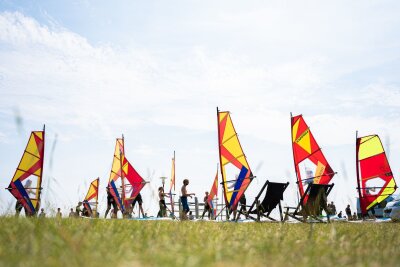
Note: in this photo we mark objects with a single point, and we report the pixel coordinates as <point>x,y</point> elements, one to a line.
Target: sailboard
<point>235,170</point>
<point>213,194</point>
<point>374,176</point>
<point>91,200</point>
<point>311,166</point>
<point>30,171</point>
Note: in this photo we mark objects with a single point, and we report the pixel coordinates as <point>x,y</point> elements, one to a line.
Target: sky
<point>155,71</point>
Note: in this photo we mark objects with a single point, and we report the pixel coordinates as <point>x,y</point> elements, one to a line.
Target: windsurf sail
<point>115,175</point>
<point>310,163</point>
<point>91,200</point>
<point>172,184</point>
<point>213,193</point>
<point>26,184</point>
<point>374,176</point>
<point>235,170</point>
<point>133,183</point>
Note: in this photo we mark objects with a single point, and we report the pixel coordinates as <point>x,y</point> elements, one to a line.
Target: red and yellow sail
<point>375,178</point>
<point>115,175</point>
<point>213,194</point>
<point>30,170</point>
<point>310,163</point>
<point>235,170</point>
<point>92,196</point>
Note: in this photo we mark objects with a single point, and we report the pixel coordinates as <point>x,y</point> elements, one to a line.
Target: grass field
<point>81,242</point>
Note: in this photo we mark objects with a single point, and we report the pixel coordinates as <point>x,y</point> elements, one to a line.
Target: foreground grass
<point>80,242</point>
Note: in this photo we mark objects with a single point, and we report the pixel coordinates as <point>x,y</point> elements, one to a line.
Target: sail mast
<point>41,172</point>
<point>294,157</point>
<point>122,153</point>
<point>358,176</point>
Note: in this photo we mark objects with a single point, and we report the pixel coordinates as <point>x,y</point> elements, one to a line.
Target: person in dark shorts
<point>110,202</point>
<point>139,200</point>
<point>163,207</point>
<point>185,194</point>
<point>207,207</point>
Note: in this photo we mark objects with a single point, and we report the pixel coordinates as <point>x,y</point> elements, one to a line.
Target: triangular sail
<point>310,163</point>
<point>376,181</point>
<point>115,181</point>
<point>172,184</point>
<point>133,184</point>
<point>235,170</point>
<point>91,199</point>
<point>213,193</point>
<point>30,170</point>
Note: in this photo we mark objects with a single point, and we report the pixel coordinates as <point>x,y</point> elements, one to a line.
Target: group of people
<point>128,207</point>
<point>183,199</point>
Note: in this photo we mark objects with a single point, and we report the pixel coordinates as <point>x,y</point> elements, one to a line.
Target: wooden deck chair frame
<point>301,208</point>
<point>258,207</point>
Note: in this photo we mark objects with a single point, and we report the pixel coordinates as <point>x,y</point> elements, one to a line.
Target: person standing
<point>184,200</point>
<point>71,213</point>
<point>110,202</point>
<point>59,214</point>
<point>207,207</point>
<point>18,207</point>
<point>163,207</point>
<point>348,212</point>
<point>42,214</point>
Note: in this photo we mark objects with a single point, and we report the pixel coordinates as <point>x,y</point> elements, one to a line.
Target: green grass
<point>80,242</point>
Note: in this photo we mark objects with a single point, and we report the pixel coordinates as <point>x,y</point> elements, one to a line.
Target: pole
<point>358,176</point>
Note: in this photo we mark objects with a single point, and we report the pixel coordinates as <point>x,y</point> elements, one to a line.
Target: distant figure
<point>139,200</point>
<point>207,207</point>
<point>71,213</point>
<point>184,201</point>
<point>332,208</point>
<point>163,207</point>
<point>78,209</point>
<point>355,216</point>
<point>340,214</point>
<point>18,207</point>
<point>242,210</point>
<point>348,212</point>
<point>110,202</point>
<point>58,214</point>
<point>42,214</point>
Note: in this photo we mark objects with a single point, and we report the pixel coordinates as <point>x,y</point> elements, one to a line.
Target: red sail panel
<point>310,163</point>
<point>375,175</point>
<point>135,182</point>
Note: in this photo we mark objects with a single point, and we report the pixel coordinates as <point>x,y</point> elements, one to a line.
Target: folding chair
<point>273,196</point>
<point>312,203</point>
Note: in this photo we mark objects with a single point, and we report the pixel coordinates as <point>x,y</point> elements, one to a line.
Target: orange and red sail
<point>374,176</point>
<point>310,163</point>
<point>92,196</point>
<point>213,193</point>
<point>235,170</point>
<point>26,184</point>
